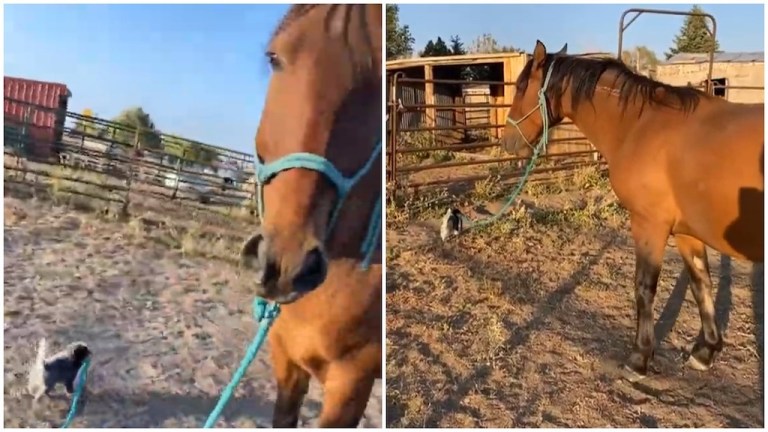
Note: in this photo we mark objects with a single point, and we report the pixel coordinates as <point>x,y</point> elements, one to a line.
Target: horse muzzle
<point>515,144</point>
<point>283,277</point>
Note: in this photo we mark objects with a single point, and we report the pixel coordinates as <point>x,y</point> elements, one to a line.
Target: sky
<point>586,28</point>
<point>198,70</point>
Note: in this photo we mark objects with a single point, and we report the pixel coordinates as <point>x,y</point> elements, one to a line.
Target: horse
<point>681,161</point>
<point>318,152</point>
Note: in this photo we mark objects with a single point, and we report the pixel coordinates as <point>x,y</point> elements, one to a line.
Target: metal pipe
<point>511,175</point>
<point>393,142</point>
<point>412,169</point>
<point>457,105</point>
<point>453,81</point>
<point>475,146</point>
<point>640,11</point>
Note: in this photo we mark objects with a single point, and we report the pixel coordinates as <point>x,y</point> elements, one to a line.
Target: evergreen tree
<point>437,48</point>
<point>429,50</point>
<point>694,36</point>
<point>399,38</point>
<point>457,47</point>
<point>441,49</point>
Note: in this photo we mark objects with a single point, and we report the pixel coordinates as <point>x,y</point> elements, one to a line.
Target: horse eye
<point>274,60</point>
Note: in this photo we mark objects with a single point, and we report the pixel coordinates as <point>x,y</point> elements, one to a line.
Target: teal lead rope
<point>265,313</point>
<point>79,388</point>
<point>542,145</point>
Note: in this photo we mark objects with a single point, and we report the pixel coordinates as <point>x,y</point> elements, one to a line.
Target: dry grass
<point>524,323</point>
<point>421,140</point>
<point>157,299</point>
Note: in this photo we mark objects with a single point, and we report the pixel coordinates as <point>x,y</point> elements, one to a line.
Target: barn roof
<point>467,59</point>
<point>722,57</point>
<point>450,60</point>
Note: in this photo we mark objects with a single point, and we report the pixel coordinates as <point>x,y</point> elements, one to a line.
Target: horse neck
<point>602,119</point>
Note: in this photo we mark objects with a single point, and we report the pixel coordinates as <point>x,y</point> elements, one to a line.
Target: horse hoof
<point>695,364</point>
<point>632,375</point>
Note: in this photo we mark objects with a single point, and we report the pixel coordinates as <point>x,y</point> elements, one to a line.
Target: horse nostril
<point>312,272</point>
<point>270,273</point>
<point>252,251</point>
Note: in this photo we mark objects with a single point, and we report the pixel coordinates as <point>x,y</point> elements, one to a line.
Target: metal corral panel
<point>39,113</point>
<point>411,94</point>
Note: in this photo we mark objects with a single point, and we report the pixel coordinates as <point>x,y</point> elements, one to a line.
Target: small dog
<point>453,223</point>
<point>62,367</point>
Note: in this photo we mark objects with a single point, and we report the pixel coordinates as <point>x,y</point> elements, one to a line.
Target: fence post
<point>131,173</point>
<point>251,196</point>
<point>178,173</point>
<point>393,137</point>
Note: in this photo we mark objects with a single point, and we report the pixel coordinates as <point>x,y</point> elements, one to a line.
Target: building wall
<point>737,74</point>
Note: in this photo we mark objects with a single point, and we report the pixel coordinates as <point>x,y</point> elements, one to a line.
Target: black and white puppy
<point>453,223</point>
<point>62,367</point>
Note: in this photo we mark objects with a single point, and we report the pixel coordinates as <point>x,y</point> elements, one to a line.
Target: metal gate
<point>640,11</point>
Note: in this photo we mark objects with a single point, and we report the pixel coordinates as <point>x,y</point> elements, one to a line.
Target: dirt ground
<point>167,328</point>
<point>527,327</point>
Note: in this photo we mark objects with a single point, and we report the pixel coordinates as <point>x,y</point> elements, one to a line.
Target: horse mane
<point>584,73</point>
<point>294,13</point>
<point>355,24</point>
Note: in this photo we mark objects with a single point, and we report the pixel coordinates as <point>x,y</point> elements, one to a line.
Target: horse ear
<point>563,50</point>
<point>539,54</point>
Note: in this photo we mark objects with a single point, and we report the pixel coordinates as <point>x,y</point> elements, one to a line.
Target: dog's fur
<point>453,223</point>
<point>62,367</point>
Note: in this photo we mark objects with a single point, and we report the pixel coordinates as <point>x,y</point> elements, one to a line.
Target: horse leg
<point>694,253</point>
<point>650,239</point>
<point>345,398</point>
<point>292,385</point>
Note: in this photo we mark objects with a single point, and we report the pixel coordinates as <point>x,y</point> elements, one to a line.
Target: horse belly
<point>719,193</point>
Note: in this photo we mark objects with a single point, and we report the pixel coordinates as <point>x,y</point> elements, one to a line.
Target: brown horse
<point>319,163</point>
<point>682,162</point>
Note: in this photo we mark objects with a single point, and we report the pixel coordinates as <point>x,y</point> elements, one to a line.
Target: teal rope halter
<point>79,388</point>
<point>266,312</point>
<point>265,172</point>
<point>537,149</point>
